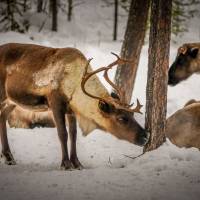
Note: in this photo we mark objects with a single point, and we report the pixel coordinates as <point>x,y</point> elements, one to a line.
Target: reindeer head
<point>185,65</point>
<point>115,111</point>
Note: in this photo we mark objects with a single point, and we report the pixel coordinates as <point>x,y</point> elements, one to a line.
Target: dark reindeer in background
<point>61,81</point>
<point>186,63</point>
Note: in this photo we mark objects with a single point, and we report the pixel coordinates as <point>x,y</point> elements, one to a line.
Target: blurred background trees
<point>13,13</point>
<point>182,12</point>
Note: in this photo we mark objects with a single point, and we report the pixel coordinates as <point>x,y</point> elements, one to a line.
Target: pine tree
<point>182,12</point>
<point>11,15</point>
<point>70,7</point>
<point>115,20</point>
<point>39,5</point>
<point>54,12</point>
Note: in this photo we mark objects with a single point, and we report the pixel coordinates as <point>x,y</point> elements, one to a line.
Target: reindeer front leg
<point>73,135</point>
<point>58,107</point>
<point>6,153</point>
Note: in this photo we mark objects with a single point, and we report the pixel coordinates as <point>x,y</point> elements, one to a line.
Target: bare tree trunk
<point>39,6</point>
<point>54,11</point>
<point>132,45</point>
<point>24,5</point>
<point>70,7</point>
<point>156,92</point>
<point>115,21</point>
<point>10,6</point>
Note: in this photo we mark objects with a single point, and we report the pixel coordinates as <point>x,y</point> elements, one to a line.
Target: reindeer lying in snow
<point>61,80</point>
<point>23,118</point>
<point>183,127</point>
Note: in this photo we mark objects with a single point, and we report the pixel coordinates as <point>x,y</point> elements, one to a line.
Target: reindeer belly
<point>20,90</point>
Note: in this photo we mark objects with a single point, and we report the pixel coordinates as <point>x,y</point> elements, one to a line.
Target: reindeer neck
<point>85,107</point>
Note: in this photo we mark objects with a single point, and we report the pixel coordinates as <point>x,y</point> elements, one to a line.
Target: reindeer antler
<point>137,108</point>
<point>121,104</point>
<point>86,76</point>
<point>119,61</point>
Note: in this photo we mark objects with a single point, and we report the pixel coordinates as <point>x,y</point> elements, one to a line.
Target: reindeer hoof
<point>8,158</point>
<point>66,165</point>
<point>76,164</point>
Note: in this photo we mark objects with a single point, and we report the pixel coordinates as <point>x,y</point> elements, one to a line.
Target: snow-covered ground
<point>167,173</point>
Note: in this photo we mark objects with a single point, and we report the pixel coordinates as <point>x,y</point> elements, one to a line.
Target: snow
<point>169,172</point>
<point>166,173</point>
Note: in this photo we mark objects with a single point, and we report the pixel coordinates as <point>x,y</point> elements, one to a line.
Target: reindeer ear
<point>193,52</point>
<point>114,95</point>
<point>105,107</point>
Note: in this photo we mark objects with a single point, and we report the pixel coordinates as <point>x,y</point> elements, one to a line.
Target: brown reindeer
<point>61,80</point>
<point>183,127</point>
<point>186,63</point>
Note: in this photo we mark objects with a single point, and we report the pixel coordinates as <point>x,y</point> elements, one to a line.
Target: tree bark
<point>132,45</point>
<point>70,7</point>
<point>115,21</point>
<point>10,13</point>
<point>24,5</point>
<point>54,14</point>
<point>39,6</point>
<point>156,91</point>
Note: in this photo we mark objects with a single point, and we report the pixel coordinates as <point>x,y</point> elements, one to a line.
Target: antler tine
<point>122,60</point>
<point>137,108</point>
<point>85,78</point>
<point>118,61</point>
<point>129,106</point>
<point>111,83</point>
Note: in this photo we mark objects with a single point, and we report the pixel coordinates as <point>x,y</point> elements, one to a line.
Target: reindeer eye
<point>180,61</point>
<point>123,119</point>
<point>193,52</point>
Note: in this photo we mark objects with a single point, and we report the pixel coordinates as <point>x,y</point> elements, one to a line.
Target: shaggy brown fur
<point>184,125</point>
<point>49,79</point>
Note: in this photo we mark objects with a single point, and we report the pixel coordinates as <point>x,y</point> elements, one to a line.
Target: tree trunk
<point>156,92</point>
<point>54,14</point>
<point>70,7</point>
<point>39,6</point>
<point>10,13</point>
<point>115,20</point>
<point>132,45</point>
<point>24,5</point>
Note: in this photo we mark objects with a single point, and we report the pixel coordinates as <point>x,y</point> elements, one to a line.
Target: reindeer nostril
<point>144,138</point>
<point>172,82</point>
<point>147,135</point>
